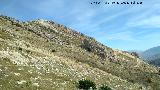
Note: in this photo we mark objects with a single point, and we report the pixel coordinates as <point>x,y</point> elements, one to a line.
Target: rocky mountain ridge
<point>152,56</point>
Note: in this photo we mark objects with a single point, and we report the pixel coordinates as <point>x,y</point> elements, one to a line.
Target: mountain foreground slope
<point>44,55</point>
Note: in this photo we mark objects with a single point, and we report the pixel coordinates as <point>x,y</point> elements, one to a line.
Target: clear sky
<point>125,27</point>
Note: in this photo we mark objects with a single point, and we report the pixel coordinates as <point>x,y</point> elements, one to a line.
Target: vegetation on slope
<point>46,55</point>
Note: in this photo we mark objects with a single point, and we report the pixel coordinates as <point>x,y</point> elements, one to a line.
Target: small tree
<point>104,87</point>
<point>86,85</point>
<point>86,45</point>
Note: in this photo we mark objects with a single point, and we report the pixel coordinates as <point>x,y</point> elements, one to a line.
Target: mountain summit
<point>45,55</point>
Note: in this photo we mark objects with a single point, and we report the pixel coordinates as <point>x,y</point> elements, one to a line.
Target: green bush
<point>105,87</point>
<point>86,84</point>
<point>86,45</point>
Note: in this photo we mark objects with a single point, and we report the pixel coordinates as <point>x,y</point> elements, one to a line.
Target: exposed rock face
<point>45,55</point>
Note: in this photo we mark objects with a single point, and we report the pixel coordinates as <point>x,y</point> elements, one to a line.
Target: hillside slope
<point>48,56</point>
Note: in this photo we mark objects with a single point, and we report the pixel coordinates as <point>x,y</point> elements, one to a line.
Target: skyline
<point>124,27</point>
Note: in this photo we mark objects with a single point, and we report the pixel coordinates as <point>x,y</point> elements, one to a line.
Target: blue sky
<point>125,27</point>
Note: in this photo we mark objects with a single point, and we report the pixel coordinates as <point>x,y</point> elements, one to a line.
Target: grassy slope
<point>28,58</point>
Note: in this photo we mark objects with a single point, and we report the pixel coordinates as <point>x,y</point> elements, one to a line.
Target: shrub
<point>53,50</point>
<point>105,87</point>
<point>86,45</point>
<point>28,51</point>
<point>20,48</point>
<point>86,84</point>
<point>135,54</point>
<point>149,80</point>
<point>159,72</point>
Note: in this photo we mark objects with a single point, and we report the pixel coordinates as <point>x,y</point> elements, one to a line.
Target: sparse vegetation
<point>27,60</point>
